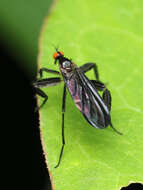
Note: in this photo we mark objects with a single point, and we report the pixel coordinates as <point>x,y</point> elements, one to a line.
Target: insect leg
<point>47,82</point>
<point>88,66</point>
<point>48,71</point>
<point>43,95</point>
<point>63,136</point>
<point>115,129</point>
<point>43,83</point>
<point>106,94</point>
<point>107,99</point>
<point>98,85</point>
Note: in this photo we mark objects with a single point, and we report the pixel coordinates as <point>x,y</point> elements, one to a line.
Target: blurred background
<point>20,24</point>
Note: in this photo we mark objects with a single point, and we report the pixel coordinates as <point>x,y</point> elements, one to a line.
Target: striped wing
<point>87,100</point>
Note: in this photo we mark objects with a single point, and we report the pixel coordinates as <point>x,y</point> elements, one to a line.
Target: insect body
<point>94,108</point>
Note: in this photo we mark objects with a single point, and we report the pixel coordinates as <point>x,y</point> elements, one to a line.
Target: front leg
<point>44,83</point>
<point>88,66</point>
<point>48,71</point>
<point>47,82</point>
<point>43,95</point>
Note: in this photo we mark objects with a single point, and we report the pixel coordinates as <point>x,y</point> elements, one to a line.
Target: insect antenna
<point>56,47</point>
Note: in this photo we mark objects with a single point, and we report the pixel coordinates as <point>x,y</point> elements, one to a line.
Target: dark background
<point>20,24</point>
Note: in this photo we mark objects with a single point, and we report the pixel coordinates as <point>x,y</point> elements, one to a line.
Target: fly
<point>84,92</point>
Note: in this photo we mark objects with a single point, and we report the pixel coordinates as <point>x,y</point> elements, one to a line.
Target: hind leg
<point>106,93</point>
<point>107,98</point>
<point>88,66</point>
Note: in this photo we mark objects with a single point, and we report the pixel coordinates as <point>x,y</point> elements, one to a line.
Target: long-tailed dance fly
<point>84,92</point>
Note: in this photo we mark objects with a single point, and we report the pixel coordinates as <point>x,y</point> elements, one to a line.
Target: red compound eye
<point>56,54</point>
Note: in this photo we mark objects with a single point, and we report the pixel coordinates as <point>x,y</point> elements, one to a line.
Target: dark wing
<point>93,109</point>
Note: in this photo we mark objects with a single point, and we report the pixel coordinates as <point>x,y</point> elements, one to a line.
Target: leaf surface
<point>110,34</point>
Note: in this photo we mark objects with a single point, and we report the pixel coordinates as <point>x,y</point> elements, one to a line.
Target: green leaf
<point>110,34</point>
